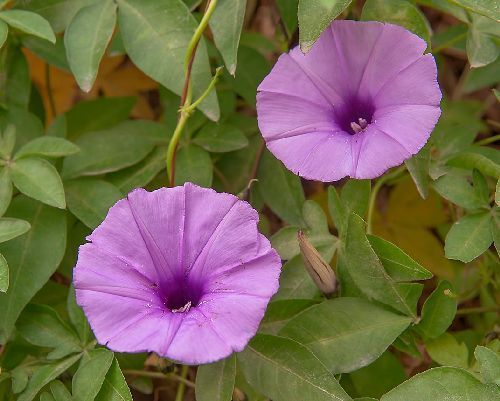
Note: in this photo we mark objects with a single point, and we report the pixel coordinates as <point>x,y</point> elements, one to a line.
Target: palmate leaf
<point>114,387</point>
<point>28,22</point>
<point>346,333</point>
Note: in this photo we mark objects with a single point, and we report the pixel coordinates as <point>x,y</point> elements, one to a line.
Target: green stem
<point>487,141</point>
<point>480,309</point>
<point>186,97</point>
<point>158,375</point>
<point>197,102</point>
<point>182,386</point>
<point>373,197</point>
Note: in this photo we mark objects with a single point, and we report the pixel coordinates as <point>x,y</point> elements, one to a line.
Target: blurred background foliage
<point>89,95</point>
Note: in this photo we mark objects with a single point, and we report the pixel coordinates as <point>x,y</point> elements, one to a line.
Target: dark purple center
<point>181,296</point>
<point>354,115</point>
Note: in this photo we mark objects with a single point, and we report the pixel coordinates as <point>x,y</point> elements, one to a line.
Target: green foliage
<point>90,93</point>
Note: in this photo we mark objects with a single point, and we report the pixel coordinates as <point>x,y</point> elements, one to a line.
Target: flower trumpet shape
<point>362,100</point>
<point>182,272</point>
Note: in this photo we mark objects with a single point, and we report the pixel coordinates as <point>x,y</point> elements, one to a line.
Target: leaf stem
<point>182,385</point>
<point>48,85</point>
<point>373,196</point>
<point>480,309</point>
<point>185,108</point>
<point>159,375</point>
<point>487,141</point>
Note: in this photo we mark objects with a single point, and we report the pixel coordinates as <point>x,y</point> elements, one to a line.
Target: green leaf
<point>11,228</point>
<point>30,23</point>
<point>58,12</point>
<point>346,333</point>
<point>4,274</point>
<point>482,41</point>
<point>156,35</point>
<point>226,23</point>
<point>478,161</point>
<point>33,257</point>
<point>141,174</point>
<point>91,373</point>
<point>215,382</point>
<point>42,326</point>
<point>38,179</point>
<point>115,387</point>
<point>4,32</point>
<point>252,69</point>
<point>53,54</point>
<point>316,230</point>
<point>398,12</point>
<point>89,199</point>
<point>28,126</point>
<point>86,39</point>
<point>48,147</point>
<point>193,164</point>
<point>46,396</point>
<point>110,150</point>
<point>418,167</point>
<point>77,317</point>
<point>221,138</point>
<point>106,112</point>
<point>354,197</point>
<point>5,190</point>
<point>295,282</point>
<point>438,311</point>
<point>59,391</point>
<point>442,384</point>
<point>489,364</point>
<point>44,374</point>
<point>17,82</point>
<point>369,275</point>
<point>279,312</point>
<point>447,351</point>
<point>482,77</point>
<point>469,237</point>
<point>288,11</point>
<point>281,190</point>
<point>488,8</point>
<point>379,377</point>
<point>457,189</point>
<point>7,141</point>
<point>285,370</point>
<point>396,262</point>
<point>315,16</point>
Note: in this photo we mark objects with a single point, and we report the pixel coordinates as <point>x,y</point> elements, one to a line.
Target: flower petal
<point>377,153</point>
<point>416,84</point>
<point>410,125</point>
<point>396,49</point>
<point>322,156</point>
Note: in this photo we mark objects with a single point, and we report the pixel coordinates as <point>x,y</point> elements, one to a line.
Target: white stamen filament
<point>185,308</point>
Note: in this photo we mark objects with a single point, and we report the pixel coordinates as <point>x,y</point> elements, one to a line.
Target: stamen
<point>185,308</point>
<point>356,127</point>
<point>362,123</point>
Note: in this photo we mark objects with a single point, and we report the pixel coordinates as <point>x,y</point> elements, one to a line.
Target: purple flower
<point>363,99</point>
<point>182,272</point>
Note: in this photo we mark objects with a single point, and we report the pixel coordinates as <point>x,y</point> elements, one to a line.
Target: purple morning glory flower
<point>362,100</point>
<point>183,272</point>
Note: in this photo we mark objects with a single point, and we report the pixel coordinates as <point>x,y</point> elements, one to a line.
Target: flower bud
<point>319,270</point>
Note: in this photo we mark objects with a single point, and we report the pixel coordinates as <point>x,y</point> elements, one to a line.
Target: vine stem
<point>185,108</point>
<point>182,385</point>
<point>480,309</point>
<point>373,197</point>
<point>158,375</point>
